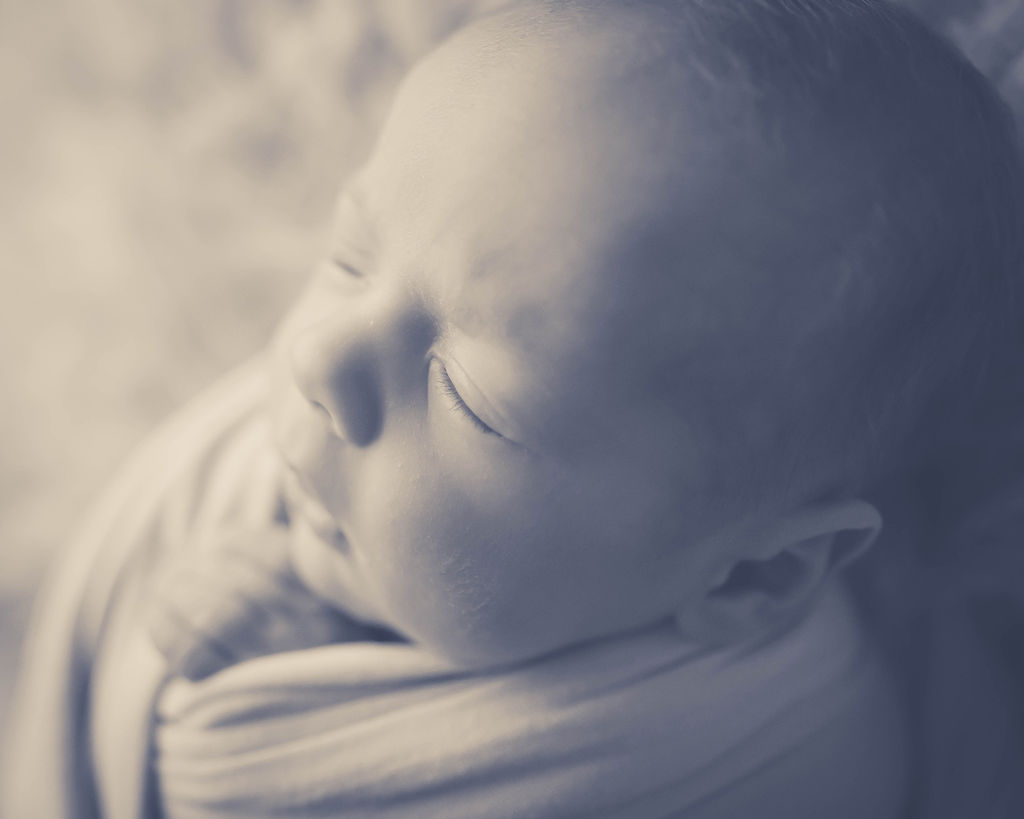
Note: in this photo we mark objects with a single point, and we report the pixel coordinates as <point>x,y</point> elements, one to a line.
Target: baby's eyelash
<point>448,388</point>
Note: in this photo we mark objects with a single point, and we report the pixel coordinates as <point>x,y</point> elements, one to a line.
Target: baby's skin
<point>492,400</point>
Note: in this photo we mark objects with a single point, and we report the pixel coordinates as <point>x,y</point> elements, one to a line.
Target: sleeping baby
<point>539,504</point>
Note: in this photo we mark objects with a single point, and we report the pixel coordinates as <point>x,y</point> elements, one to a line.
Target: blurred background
<point>166,172</point>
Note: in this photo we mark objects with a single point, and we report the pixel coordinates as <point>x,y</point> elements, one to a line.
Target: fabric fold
<point>385,730</point>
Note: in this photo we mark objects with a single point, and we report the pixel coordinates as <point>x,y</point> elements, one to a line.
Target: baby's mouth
<point>304,504</point>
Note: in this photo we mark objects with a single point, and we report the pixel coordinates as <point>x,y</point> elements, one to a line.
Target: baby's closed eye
<point>458,403</point>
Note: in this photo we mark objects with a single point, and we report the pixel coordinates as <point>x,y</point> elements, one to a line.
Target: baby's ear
<point>764,585</point>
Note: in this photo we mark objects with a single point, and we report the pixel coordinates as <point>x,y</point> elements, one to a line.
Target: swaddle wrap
<point>642,725</point>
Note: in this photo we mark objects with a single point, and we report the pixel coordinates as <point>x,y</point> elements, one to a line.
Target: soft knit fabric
<point>643,725</point>
<point>81,723</point>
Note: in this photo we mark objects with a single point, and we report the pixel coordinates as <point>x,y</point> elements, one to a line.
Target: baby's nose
<point>334,368</point>
<point>353,366</point>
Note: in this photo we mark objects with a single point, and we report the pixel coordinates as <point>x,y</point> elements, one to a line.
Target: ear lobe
<point>768,583</point>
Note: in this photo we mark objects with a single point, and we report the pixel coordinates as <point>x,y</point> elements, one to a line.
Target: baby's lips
<point>304,504</point>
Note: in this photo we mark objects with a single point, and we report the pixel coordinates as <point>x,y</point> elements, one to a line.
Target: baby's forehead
<point>568,155</point>
<point>590,114</point>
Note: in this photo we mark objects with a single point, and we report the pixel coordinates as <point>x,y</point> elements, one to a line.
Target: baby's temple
<point>645,442</point>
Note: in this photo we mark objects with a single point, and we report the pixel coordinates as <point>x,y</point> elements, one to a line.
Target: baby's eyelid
<point>458,403</point>
<point>496,421</point>
<point>449,389</point>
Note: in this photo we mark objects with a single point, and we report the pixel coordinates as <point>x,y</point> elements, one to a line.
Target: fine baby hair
<point>883,262</point>
<point>905,193</point>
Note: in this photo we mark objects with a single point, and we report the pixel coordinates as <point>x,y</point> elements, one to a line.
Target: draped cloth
<point>640,725</point>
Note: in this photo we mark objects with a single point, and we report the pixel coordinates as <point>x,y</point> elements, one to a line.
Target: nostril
<point>328,419</point>
<point>320,408</point>
<point>336,368</point>
<point>349,404</point>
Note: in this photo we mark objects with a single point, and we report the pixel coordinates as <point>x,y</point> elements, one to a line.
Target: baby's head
<point>629,306</point>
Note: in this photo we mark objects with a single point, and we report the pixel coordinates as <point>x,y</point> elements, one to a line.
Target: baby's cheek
<point>439,553</point>
<point>457,531</point>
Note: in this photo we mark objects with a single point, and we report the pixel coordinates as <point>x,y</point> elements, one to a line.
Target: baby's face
<point>467,392</point>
